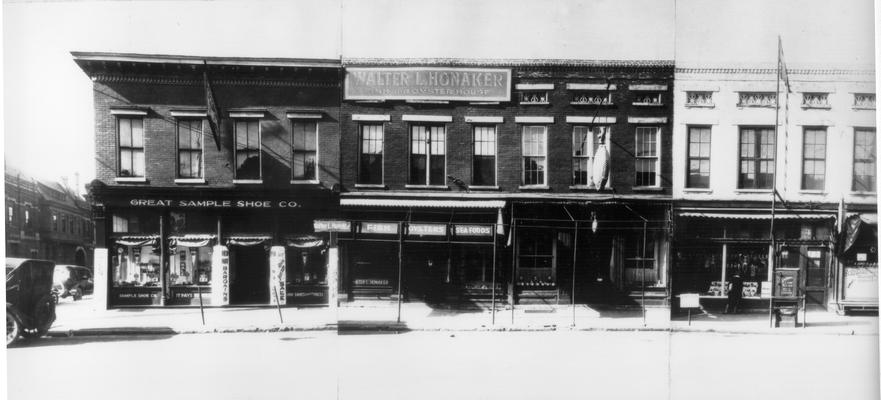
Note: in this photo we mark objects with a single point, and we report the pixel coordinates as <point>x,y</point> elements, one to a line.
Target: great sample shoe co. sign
<point>428,83</point>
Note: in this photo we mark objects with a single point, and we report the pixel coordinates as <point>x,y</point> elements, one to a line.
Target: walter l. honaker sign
<point>414,83</point>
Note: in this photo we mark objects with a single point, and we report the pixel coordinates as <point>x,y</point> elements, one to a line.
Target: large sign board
<point>428,83</point>
<point>277,276</point>
<point>220,276</point>
<point>213,203</point>
<point>331,226</point>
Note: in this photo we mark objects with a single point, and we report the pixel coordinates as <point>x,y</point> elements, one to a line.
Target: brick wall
<point>460,138</point>
<point>160,98</point>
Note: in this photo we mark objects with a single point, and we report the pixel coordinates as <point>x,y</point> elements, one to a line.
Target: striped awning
<point>416,203</point>
<point>755,216</point>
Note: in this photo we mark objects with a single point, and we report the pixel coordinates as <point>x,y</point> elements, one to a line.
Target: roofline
<point>506,62</point>
<point>197,60</point>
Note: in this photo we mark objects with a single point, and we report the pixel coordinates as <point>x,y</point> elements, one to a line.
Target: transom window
<point>534,155</point>
<point>815,100</point>
<point>427,155</point>
<point>484,162</point>
<point>647,159</point>
<point>864,101</point>
<point>757,146</point>
<point>648,99</point>
<point>131,146</point>
<point>534,97</point>
<point>814,159</point>
<point>864,160</point>
<point>304,149</point>
<point>370,162</point>
<point>757,99</point>
<point>592,98</point>
<point>585,143</point>
<point>698,157</point>
<point>699,99</point>
<point>248,149</point>
<point>189,148</point>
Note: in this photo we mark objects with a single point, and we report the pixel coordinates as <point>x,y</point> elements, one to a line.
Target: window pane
<point>299,142</point>
<point>125,132</point>
<point>241,135</point>
<point>581,139</point>
<point>138,162</point>
<point>125,163</point>
<point>253,135</point>
<point>438,176</point>
<point>370,165</point>
<point>184,162</point>
<point>417,169</point>
<point>137,133</point>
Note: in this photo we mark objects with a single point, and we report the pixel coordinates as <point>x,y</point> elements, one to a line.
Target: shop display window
<point>136,266</point>
<point>476,268</point>
<point>751,264</point>
<point>536,258</point>
<point>190,266</point>
<point>305,266</point>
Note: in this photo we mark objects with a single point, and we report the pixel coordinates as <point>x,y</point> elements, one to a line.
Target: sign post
<point>102,281</point>
<point>689,301</point>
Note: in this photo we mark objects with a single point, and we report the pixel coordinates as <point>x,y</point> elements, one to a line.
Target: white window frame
<point>130,178</point>
<point>428,184</point>
<point>825,159</point>
<point>301,120</point>
<point>853,160</point>
<point>381,125</point>
<point>495,128</point>
<point>689,158</point>
<point>657,156</point>
<point>247,118</point>
<point>590,150</point>
<point>523,183</point>
<point>178,178</point>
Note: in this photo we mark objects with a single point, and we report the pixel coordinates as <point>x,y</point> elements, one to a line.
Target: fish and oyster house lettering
<point>451,84</point>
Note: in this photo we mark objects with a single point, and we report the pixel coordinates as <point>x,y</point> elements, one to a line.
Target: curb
<point>402,328</point>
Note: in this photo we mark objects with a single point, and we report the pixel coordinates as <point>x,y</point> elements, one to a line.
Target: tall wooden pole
<point>574,264</point>
<point>771,259</point>
<point>400,261</point>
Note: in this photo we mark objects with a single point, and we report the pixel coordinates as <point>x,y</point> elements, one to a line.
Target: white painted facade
<point>725,117</point>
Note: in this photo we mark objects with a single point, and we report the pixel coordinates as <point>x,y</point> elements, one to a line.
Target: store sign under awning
<point>382,228</point>
<point>754,216</point>
<point>427,229</point>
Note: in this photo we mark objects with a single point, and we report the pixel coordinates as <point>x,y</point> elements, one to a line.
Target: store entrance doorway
<point>249,276</point>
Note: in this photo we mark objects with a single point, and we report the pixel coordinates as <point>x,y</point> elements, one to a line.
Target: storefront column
<point>101,279</point>
<point>277,276</point>
<point>724,266</point>
<point>220,276</point>
<point>333,274</point>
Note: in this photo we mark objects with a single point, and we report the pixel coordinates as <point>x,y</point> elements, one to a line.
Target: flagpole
<point>772,258</point>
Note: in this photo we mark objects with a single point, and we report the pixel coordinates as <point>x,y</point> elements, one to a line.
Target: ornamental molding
<point>507,62</point>
<point>151,80</point>
<point>773,71</point>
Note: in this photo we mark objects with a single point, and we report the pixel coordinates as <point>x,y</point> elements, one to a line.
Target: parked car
<point>30,309</point>
<point>72,280</point>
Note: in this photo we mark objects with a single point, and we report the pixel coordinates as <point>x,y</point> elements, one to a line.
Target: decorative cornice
<point>773,71</point>
<point>507,62</point>
<point>151,80</point>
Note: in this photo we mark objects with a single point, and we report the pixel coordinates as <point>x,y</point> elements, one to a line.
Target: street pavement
<point>447,365</point>
<point>84,318</point>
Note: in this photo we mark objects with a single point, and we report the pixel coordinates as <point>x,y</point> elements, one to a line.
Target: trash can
<point>785,314</point>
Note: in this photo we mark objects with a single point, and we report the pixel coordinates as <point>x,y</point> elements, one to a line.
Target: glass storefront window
<point>190,266</point>
<point>305,266</point>
<point>136,266</point>
<point>535,257</point>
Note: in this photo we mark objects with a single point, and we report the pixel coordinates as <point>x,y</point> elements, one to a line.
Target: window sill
<point>747,191</point>
<point>582,187</point>
<point>755,106</point>
<point>427,187</point>
<point>370,186</point>
<point>649,104</point>
<point>537,103</point>
<point>482,187</point>
<point>304,182</point>
<point>247,181</point>
<point>863,108</point>
<point>804,107</point>
<point>700,106</point>
<point>697,190</point>
<point>812,192</point>
<point>862,193</point>
<point>190,181</point>
<point>578,103</point>
<point>648,189</point>
<point>132,179</point>
<point>534,187</point>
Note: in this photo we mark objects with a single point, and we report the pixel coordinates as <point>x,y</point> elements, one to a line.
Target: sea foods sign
<point>457,84</point>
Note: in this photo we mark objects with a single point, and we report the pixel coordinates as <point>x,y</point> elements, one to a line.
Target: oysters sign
<point>428,83</point>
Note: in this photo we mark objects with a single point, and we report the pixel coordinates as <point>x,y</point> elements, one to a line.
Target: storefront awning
<point>422,203</point>
<point>137,240</point>
<point>190,240</point>
<point>246,240</point>
<point>854,228</point>
<point>754,216</point>
<point>303,241</point>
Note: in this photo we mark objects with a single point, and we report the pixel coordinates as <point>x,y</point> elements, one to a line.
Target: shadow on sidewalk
<point>351,327</point>
<point>75,340</point>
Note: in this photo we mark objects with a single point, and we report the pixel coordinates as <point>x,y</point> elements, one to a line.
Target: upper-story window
<point>699,140</point>
<point>757,146</point>
<point>10,213</point>
<point>814,159</point>
<point>648,160</point>
<point>648,99</point>
<point>54,222</point>
<point>534,93</point>
<point>699,99</point>
<point>592,98</point>
<point>534,148</point>
<point>370,154</point>
<point>248,162</point>
<point>585,143</point>
<point>428,155</point>
<point>757,99</point>
<point>304,149</point>
<point>189,148</point>
<point>864,101</point>
<point>815,100</point>
<point>484,163</point>
<point>27,217</point>
<point>864,160</point>
<point>130,132</point>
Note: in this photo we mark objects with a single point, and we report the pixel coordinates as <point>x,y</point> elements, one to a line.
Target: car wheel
<point>13,328</point>
<point>44,316</point>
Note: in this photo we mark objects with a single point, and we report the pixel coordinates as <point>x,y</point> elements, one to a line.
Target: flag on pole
<point>781,61</point>
<point>213,112</point>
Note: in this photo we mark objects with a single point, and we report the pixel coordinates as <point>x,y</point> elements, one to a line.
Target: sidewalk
<point>81,318</point>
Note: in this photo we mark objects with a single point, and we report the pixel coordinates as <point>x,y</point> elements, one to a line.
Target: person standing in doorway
<point>735,294</point>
